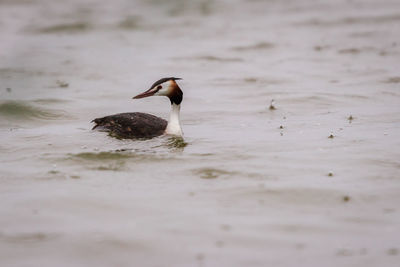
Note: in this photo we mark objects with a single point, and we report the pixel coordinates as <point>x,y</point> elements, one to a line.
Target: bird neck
<point>174,124</point>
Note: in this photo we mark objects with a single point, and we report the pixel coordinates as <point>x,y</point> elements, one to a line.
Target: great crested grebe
<point>142,125</point>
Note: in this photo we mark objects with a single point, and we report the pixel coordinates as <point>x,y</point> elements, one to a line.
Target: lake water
<point>312,181</point>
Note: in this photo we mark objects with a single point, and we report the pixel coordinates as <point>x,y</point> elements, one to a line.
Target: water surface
<point>313,181</point>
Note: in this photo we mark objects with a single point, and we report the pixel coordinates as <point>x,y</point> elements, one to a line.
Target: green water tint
<point>104,161</point>
<point>218,59</point>
<point>176,142</point>
<point>111,167</point>
<point>130,23</point>
<point>66,28</point>
<point>178,8</point>
<point>103,156</point>
<point>110,160</point>
<point>25,111</point>
<point>49,101</point>
<point>257,46</point>
<point>393,80</point>
<point>210,173</point>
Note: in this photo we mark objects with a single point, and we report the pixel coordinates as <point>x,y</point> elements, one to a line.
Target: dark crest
<point>163,80</point>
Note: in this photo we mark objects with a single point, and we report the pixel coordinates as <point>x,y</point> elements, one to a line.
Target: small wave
<point>211,58</point>
<point>392,80</point>
<point>349,51</point>
<point>211,173</point>
<point>102,161</point>
<point>32,237</point>
<point>390,18</point>
<point>118,155</point>
<point>130,23</point>
<point>103,156</point>
<point>257,46</point>
<point>176,142</point>
<point>75,27</point>
<point>49,101</point>
<point>25,111</point>
<point>115,160</point>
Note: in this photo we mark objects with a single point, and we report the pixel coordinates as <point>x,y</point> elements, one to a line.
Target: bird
<point>138,125</point>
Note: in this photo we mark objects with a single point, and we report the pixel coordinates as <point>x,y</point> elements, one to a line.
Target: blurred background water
<point>311,181</point>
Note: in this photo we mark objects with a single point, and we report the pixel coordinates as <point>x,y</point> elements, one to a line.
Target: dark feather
<point>134,125</point>
<point>163,80</point>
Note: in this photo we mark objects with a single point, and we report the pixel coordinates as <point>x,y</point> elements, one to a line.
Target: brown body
<point>134,125</point>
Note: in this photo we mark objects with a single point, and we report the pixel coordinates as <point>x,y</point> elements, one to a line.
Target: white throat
<point>174,124</point>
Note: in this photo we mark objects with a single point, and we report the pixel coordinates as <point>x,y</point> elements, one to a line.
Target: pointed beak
<point>145,94</point>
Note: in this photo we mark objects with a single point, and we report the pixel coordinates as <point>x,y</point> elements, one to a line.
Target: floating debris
<point>219,243</point>
<point>392,80</point>
<point>345,252</point>
<point>8,90</point>
<point>250,80</point>
<point>393,251</point>
<point>281,127</point>
<point>350,51</point>
<point>331,136</point>
<point>346,198</point>
<point>130,23</point>
<point>62,84</point>
<point>350,118</point>
<point>317,48</point>
<point>200,257</point>
<point>272,105</point>
<point>320,47</point>
<point>330,174</point>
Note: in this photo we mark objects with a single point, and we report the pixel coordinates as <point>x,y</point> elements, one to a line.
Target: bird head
<point>164,87</point>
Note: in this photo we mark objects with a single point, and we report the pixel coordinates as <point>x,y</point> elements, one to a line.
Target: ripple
<point>102,161</point>
<point>256,46</point>
<point>24,111</point>
<point>211,173</point>
<point>211,58</point>
<point>176,142</point>
<point>349,51</point>
<point>214,58</point>
<point>130,23</point>
<point>392,80</point>
<point>27,237</point>
<point>49,101</point>
<point>115,160</point>
<point>103,156</point>
<point>352,20</point>
<point>75,27</point>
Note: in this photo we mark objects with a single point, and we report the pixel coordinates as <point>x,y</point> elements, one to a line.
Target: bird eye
<point>159,87</point>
